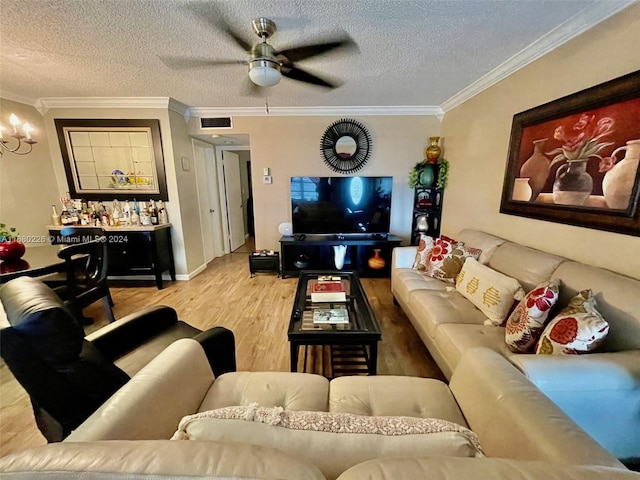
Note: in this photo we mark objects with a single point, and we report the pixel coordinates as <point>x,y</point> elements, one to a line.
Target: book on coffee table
<point>328,291</point>
<point>330,315</point>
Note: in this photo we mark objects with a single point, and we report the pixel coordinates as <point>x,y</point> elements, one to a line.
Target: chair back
<point>74,235</point>
<point>86,265</point>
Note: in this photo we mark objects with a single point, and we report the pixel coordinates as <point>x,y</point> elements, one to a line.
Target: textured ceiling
<point>411,53</point>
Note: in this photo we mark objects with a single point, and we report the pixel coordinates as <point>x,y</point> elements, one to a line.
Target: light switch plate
<point>266,172</point>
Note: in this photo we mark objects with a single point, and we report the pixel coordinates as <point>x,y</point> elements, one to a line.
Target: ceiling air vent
<point>219,122</point>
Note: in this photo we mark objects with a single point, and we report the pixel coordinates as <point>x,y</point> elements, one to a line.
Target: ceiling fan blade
<point>303,76</point>
<point>183,63</point>
<point>303,52</point>
<point>214,17</point>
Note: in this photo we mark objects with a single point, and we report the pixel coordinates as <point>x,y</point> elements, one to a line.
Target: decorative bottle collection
<point>97,214</point>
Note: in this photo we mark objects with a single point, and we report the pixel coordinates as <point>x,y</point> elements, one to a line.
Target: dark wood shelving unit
<point>315,252</point>
<point>427,201</point>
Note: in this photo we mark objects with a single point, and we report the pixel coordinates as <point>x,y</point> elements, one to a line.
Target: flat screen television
<point>341,205</point>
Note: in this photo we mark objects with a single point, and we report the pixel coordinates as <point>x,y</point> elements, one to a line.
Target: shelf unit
<point>427,203</point>
<point>315,252</point>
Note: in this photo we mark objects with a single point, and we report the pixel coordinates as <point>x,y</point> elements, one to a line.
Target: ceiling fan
<point>266,65</point>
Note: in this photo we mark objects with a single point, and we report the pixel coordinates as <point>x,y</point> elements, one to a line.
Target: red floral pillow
<point>526,322</point>
<point>447,258</point>
<point>578,328</point>
<point>424,251</point>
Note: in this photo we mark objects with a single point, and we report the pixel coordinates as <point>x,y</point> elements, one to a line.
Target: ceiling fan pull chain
<point>266,100</point>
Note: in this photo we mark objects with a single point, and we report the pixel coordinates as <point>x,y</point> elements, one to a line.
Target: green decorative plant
<point>443,174</point>
<point>7,234</point>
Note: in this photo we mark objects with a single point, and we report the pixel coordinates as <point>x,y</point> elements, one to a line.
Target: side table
<point>264,262</point>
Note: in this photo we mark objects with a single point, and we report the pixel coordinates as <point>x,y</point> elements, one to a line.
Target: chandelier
<point>21,133</point>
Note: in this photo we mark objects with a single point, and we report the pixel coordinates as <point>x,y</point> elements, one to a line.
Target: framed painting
<point>575,160</point>
<point>112,159</point>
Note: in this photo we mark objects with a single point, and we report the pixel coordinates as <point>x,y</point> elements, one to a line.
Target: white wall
<point>289,146</point>
<point>28,185</point>
<point>477,134</point>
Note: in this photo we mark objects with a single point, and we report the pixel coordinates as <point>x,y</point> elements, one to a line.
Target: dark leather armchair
<point>68,376</point>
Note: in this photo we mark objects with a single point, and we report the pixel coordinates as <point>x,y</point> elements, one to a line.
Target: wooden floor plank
<point>256,309</point>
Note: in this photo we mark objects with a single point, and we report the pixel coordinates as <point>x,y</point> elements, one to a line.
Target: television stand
<point>315,252</point>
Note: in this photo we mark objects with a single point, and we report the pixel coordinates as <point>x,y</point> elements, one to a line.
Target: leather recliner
<point>67,375</point>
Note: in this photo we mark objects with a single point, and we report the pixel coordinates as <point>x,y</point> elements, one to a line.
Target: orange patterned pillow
<point>424,251</point>
<point>447,258</point>
<point>578,328</point>
<point>526,322</point>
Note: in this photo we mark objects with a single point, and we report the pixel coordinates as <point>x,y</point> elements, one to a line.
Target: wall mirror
<point>105,159</point>
<point>345,146</point>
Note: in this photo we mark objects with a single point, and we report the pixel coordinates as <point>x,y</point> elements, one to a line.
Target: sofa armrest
<point>598,391</point>
<point>219,345</point>
<point>127,333</point>
<point>514,419</point>
<point>153,402</point>
<point>403,257</point>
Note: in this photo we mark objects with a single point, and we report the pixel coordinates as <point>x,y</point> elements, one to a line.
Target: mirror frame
<point>345,127</point>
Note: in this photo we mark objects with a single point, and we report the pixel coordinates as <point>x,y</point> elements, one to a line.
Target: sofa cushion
<point>292,391</point>
<point>526,323</point>
<point>332,441</point>
<point>527,265</point>
<point>491,291</point>
<point>578,328</point>
<point>441,307</point>
<point>618,300</point>
<point>147,459</point>
<point>411,468</point>
<point>388,395</point>
<point>484,241</point>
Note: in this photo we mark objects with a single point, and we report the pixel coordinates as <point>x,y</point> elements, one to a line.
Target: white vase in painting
<point>339,252</point>
<point>521,190</point>
<point>618,182</point>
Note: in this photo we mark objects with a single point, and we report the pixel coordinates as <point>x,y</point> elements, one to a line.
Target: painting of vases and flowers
<point>575,160</point>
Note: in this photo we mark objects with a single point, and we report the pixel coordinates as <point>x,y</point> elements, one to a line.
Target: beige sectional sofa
<point>600,391</point>
<point>522,434</point>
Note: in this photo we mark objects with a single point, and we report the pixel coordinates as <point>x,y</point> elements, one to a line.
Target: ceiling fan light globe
<point>264,73</point>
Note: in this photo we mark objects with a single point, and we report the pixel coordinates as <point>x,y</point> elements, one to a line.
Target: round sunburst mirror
<point>345,146</point>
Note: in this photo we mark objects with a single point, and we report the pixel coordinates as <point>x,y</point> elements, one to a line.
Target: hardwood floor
<point>256,309</point>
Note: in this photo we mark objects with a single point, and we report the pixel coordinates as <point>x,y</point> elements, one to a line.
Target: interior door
<point>235,206</point>
<point>208,200</point>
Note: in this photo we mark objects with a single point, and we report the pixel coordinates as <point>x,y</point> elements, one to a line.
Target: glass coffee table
<point>327,324</point>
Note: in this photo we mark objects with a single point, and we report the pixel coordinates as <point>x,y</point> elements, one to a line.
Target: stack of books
<point>332,316</point>
<point>328,291</point>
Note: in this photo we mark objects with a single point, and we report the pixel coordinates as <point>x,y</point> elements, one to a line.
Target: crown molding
<point>313,111</point>
<point>44,104</point>
<point>14,97</point>
<point>579,23</point>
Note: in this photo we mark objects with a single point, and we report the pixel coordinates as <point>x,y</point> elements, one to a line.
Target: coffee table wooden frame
<point>363,327</point>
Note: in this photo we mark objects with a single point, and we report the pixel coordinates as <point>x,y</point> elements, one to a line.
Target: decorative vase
<point>522,190</point>
<point>11,250</point>
<point>573,184</point>
<point>433,151</point>
<point>376,262</point>
<point>427,176</point>
<point>302,262</point>
<point>618,182</point>
<point>422,223</point>
<point>339,252</point>
<point>536,169</point>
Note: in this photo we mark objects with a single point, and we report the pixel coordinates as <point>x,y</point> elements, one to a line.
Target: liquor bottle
<point>145,218</point>
<point>85,217</point>
<point>73,213</point>
<point>95,216</point>
<point>163,217</point>
<point>65,218</point>
<point>55,218</point>
<point>116,213</point>
<point>153,212</point>
<point>126,213</point>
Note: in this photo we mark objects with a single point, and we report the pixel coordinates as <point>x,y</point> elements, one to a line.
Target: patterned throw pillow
<point>424,251</point>
<point>578,328</point>
<point>492,292</point>
<point>447,258</point>
<point>526,322</point>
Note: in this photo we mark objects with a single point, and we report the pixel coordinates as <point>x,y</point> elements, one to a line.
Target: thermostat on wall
<point>266,179</point>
